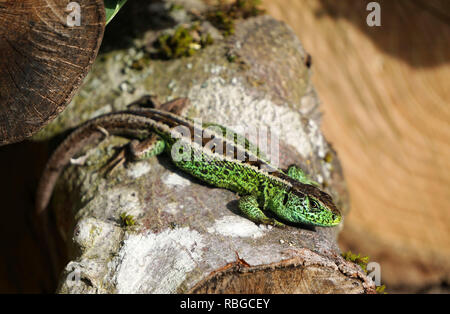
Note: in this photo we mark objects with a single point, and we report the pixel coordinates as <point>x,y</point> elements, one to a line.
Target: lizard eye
<point>314,204</point>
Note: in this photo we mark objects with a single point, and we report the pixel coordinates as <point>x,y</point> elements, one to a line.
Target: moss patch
<point>362,261</point>
<point>380,289</point>
<point>183,43</point>
<point>127,220</point>
<point>223,16</point>
<point>186,41</point>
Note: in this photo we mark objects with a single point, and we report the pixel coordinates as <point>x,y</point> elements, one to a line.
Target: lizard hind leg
<point>136,151</point>
<point>249,206</point>
<point>152,146</point>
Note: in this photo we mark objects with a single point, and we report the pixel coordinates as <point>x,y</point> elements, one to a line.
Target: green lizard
<point>288,195</point>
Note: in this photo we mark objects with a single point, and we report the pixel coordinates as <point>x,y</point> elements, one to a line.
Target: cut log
<point>182,235</point>
<point>46,48</point>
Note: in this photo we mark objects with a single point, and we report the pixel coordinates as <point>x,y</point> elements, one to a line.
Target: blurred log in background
<point>386,102</point>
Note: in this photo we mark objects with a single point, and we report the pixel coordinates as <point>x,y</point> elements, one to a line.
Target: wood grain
<point>386,104</point>
<point>43,61</point>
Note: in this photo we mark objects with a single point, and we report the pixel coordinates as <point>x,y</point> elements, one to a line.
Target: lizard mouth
<point>337,220</point>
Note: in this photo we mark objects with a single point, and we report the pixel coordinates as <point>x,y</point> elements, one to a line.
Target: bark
<point>187,236</point>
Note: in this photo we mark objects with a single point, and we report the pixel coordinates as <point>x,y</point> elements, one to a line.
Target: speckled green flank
<point>288,196</point>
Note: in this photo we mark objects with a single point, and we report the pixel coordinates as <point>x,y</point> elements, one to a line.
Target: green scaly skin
<point>289,196</point>
<point>282,193</point>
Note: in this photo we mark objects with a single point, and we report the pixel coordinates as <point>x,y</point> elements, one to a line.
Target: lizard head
<point>305,203</point>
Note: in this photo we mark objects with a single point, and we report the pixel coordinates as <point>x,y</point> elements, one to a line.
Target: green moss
<point>187,40</point>
<point>357,259</point>
<point>127,220</point>
<point>175,7</point>
<point>380,289</point>
<point>328,157</point>
<point>224,15</point>
<point>362,261</point>
<point>183,43</point>
<point>206,40</point>
<point>248,8</point>
<point>223,22</point>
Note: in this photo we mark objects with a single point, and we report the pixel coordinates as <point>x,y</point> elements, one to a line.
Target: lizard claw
<point>103,131</point>
<point>273,222</point>
<point>277,224</point>
<point>114,162</point>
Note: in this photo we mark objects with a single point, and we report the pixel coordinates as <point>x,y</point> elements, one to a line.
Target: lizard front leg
<point>249,206</point>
